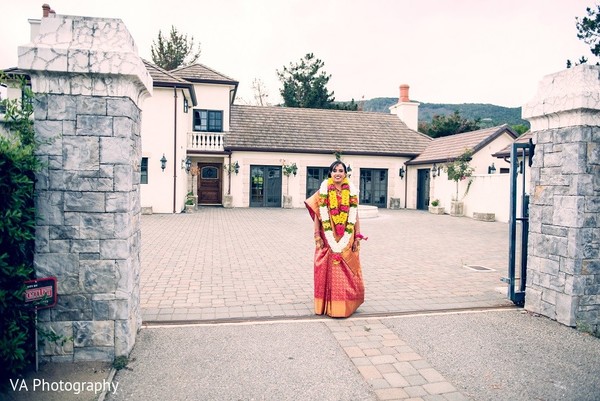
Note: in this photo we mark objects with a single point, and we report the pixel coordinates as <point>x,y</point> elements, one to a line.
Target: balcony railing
<point>205,141</point>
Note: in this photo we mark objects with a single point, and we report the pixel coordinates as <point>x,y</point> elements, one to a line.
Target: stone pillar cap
<point>84,45</point>
<point>566,98</point>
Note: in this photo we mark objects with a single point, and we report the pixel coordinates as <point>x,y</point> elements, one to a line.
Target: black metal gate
<point>518,223</point>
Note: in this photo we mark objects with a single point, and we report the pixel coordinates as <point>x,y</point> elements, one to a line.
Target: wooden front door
<point>209,183</point>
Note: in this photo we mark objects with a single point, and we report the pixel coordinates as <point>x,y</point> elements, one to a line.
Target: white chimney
<point>406,110</point>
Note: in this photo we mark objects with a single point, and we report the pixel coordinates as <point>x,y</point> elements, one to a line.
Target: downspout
<point>405,185</point>
<point>229,167</point>
<point>229,175</point>
<point>174,149</point>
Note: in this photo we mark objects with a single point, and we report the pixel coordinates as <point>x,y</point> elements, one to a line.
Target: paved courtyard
<point>258,263</point>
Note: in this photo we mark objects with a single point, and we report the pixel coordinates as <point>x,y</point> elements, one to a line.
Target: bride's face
<point>338,174</point>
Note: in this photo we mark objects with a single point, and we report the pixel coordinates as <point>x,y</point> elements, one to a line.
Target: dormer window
<point>208,120</point>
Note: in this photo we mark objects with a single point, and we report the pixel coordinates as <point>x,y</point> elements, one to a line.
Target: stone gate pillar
<point>563,275</point>
<point>88,80</point>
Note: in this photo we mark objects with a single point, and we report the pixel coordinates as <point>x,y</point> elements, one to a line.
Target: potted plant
<point>288,169</point>
<point>190,204</point>
<point>230,168</point>
<point>459,170</point>
<point>435,207</point>
<point>194,172</point>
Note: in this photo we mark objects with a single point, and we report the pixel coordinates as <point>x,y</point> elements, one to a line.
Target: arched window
<point>209,173</point>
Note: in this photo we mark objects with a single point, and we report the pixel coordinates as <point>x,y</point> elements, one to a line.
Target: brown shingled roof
<point>321,131</point>
<point>162,76</point>
<point>201,73</point>
<point>506,151</point>
<point>164,79</point>
<point>448,148</point>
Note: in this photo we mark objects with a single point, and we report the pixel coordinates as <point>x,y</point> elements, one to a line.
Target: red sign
<point>42,292</point>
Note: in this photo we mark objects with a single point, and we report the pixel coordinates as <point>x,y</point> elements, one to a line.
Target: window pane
<point>144,171</point>
<point>256,185</point>
<point>208,120</point>
<point>314,177</point>
<point>215,121</point>
<point>209,173</point>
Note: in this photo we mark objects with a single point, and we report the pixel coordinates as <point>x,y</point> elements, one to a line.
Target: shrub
<point>18,165</point>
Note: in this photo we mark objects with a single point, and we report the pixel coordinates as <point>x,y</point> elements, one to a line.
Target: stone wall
<point>88,80</point>
<point>563,276</point>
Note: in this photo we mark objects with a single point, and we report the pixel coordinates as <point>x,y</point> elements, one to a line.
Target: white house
<point>196,140</point>
<point>240,151</point>
<point>165,126</point>
<point>426,175</point>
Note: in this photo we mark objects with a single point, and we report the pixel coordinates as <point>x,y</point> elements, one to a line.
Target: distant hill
<point>489,114</point>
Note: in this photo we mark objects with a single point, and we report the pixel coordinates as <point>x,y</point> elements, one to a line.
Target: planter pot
<point>484,216</point>
<point>190,208</point>
<point>457,208</point>
<point>287,202</point>
<point>436,209</point>
<point>228,201</point>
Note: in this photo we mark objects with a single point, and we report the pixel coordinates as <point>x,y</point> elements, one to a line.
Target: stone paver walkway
<point>223,265</point>
<point>389,365</point>
<point>258,263</point>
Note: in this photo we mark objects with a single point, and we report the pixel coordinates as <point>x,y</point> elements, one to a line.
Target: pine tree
<point>175,51</point>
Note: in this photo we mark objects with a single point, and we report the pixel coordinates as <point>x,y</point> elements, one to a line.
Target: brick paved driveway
<point>248,263</point>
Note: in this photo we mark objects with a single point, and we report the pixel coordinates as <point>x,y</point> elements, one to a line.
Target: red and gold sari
<point>339,288</point>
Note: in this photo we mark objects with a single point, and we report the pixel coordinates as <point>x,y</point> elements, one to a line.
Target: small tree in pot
<point>288,169</point>
<point>459,170</point>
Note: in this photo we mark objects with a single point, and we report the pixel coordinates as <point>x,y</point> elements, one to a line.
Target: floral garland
<point>342,216</point>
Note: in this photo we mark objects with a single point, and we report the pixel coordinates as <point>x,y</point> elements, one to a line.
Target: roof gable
<point>448,148</point>
<point>162,76</point>
<point>321,131</point>
<point>522,139</point>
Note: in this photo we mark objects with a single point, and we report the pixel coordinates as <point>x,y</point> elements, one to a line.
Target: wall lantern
<point>492,169</point>
<point>401,172</point>
<point>232,168</point>
<point>434,170</point>
<point>163,162</point>
<point>186,105</point>
<point>186,164</point>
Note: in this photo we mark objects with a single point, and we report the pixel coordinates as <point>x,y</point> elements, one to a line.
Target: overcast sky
<point>452,51</point>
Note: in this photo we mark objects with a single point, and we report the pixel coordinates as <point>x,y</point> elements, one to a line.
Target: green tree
<point>520,128</point>
<point>459,169</point>
<point>588,30</point>
<point>448,125</point>
<point>305,85</point>
<point>174,51</point>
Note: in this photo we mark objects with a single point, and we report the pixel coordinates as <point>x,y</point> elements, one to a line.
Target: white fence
<point>488,193</point>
